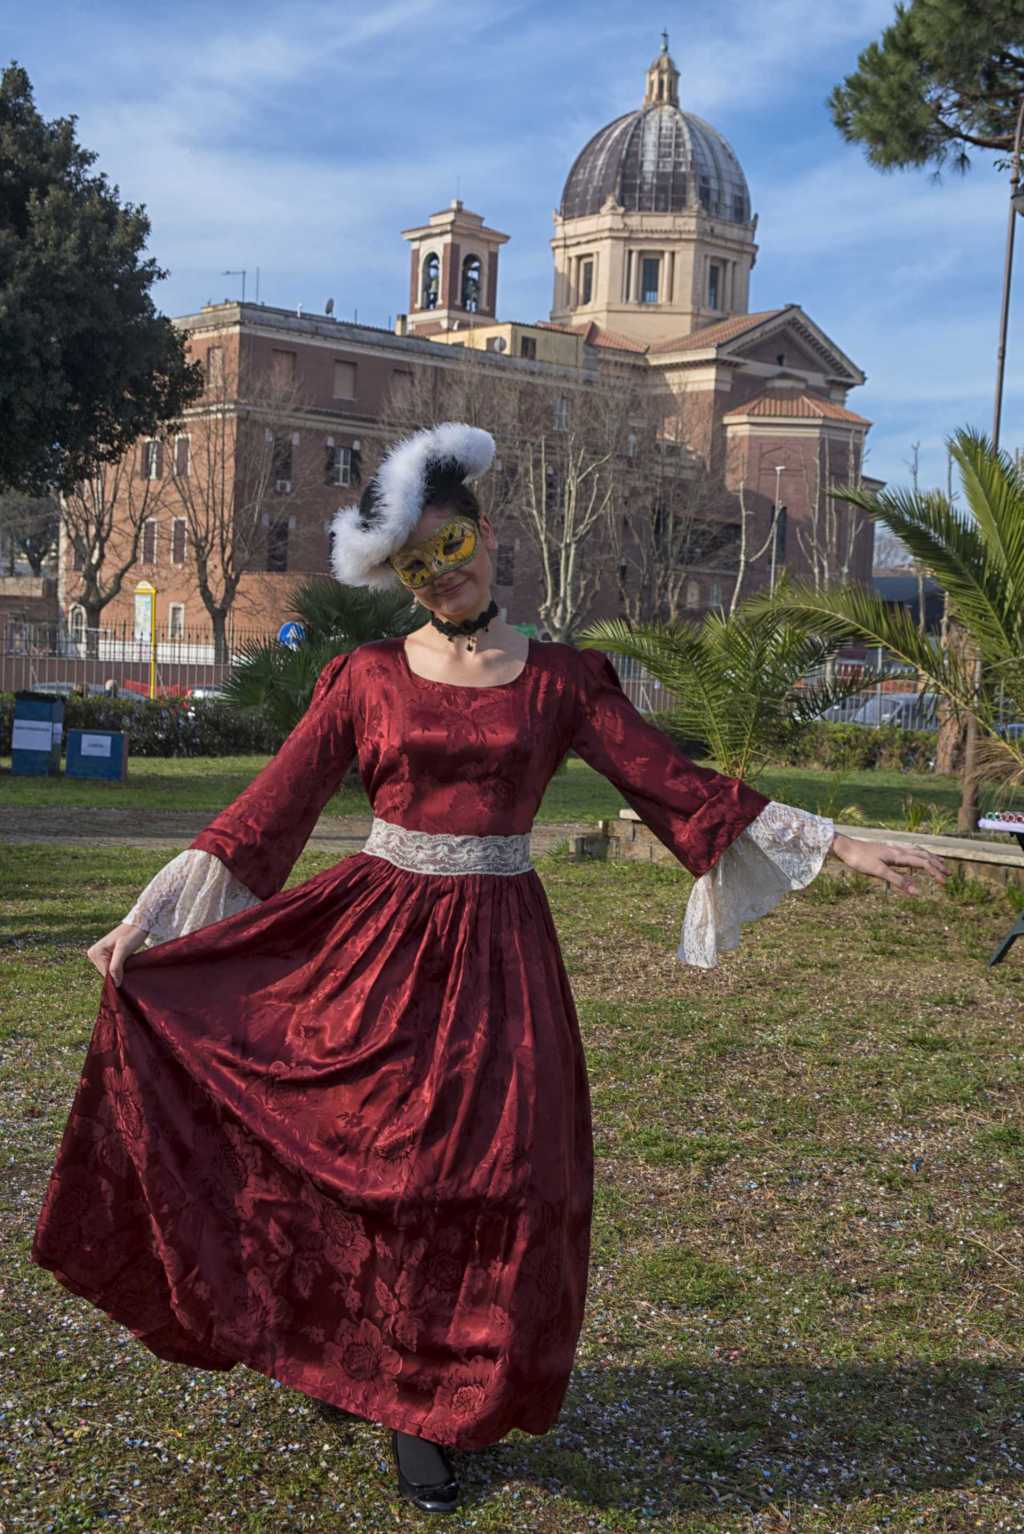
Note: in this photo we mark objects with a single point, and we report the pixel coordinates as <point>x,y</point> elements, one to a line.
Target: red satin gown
<point>344,1137</point>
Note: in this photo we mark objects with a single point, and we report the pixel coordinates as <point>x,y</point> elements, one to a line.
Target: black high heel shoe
<point>432,1497</point>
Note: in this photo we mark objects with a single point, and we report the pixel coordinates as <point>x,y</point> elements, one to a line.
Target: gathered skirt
<point>344,1138</point>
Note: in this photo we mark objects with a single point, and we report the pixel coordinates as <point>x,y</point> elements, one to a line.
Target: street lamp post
<point>1016,206</point>
<point>779,467</point>
<point>967,819</point>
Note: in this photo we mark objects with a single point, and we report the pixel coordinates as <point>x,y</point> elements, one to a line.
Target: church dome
<point>658,159</point>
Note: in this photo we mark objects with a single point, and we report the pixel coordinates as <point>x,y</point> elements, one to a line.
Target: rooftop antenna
<point>238,272</point>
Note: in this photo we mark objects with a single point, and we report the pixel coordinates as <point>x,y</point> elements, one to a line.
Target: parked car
<point>907,710</point>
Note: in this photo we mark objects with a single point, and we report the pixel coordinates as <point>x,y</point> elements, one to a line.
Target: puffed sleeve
<point>259,836</point>
<point>694,810</point>
<point>744,849</point>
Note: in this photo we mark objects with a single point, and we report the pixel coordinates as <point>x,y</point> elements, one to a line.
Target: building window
<point>149,542</point>
<point>528,347</point>
<point>552,489</point>
<point>561,414</point>
<point>281,463</point>
<point>176,621</point>
<point>215,367</point>
<point>76,623</point>
<point>401,387</point>
<point>277,543</point>
<point>631,445</point>
<point>586,282</point>
<point>714,285</point>
<point>178,541</point>
<point>431,282</point>
<point>152,459</point>
<point>282,369</point>
<point>78,558</point>
<point>739,210</point>
<point>693,593</point>
<point>650,272</point>
<point>344,380</point>
<point>715,597</point>
<point>182,457</point>
<point>471,284</point>
<point>505,565</point>
<point>339,466</point>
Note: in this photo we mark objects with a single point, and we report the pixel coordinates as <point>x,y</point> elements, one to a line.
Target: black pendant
<point>467,627</point>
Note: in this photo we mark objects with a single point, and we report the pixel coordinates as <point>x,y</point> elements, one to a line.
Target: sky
<point>301,138</point>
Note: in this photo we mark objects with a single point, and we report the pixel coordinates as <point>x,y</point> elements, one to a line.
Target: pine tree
<point>87,364</point>
<point>946,76</point>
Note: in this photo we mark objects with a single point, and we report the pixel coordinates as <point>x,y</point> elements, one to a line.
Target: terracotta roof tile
<point>593,335</point>
<point>807,407</point>
<point>714,335</point>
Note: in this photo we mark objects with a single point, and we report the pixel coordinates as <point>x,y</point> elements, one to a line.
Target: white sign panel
<point>32,735</point>
<point>143,615</point>
<point>96,745</point>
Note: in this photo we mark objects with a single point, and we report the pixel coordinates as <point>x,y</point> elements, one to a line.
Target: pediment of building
<point>762,338</point>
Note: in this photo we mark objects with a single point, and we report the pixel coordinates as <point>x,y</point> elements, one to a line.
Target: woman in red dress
<point>341,1133</point>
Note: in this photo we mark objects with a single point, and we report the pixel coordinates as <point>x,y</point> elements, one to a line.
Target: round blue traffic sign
<point>291,634</point>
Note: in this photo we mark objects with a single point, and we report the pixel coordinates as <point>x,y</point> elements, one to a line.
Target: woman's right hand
<point>110,952</point>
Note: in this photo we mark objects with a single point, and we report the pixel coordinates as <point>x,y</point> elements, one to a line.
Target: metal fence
<point>94,660</point>
<point>59,658</point>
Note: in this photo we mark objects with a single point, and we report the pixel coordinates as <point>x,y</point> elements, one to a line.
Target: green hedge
<point>164,728</point>
<point>161,727</point>
<point>852,747</point>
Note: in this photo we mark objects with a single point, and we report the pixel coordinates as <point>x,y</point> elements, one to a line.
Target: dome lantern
<point>662,79</point>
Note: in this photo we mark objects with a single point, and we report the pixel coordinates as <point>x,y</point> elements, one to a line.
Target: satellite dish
<point>329,306</point>
<point>500,344</point>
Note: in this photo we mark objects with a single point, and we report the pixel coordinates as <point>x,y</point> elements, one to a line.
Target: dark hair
<point>444,485</point>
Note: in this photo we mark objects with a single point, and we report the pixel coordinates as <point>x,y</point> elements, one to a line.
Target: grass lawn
<point>578,793</point>
<point>805,1307</point>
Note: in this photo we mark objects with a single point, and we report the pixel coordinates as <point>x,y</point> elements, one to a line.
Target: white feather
<point>358,554</point>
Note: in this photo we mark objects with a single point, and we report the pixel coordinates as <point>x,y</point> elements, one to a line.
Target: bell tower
<point>453,279</point>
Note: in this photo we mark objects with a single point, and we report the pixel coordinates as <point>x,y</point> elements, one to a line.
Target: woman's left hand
<point>882,859</point>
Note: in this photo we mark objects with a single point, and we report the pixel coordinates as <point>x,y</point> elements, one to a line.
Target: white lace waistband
<point>430,852</point>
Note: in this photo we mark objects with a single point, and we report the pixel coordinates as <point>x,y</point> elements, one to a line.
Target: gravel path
<point>175,828</point>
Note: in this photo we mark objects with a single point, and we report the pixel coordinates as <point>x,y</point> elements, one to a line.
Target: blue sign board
<point>291,634</point>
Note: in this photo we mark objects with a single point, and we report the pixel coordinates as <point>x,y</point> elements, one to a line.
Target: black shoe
<point>335,1414</point>
<point>432,1497</point>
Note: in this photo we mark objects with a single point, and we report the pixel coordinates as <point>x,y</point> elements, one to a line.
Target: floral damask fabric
<point>782,850</point>
<point>342,1135</point>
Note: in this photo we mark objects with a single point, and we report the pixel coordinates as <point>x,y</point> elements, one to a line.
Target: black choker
<point>468,626</point>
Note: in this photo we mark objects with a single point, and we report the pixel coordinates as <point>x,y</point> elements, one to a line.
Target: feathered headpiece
<point>415,471</point>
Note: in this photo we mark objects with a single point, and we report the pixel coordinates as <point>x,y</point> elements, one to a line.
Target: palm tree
<point>276,680</point>
<point>734,680</point>
<point>979,560</point>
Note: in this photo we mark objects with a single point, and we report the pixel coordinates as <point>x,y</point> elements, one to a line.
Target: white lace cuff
<point>191,891</point>
<point>782,850</point>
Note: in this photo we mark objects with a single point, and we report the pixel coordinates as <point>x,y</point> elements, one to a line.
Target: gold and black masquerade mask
<point>454,544</point>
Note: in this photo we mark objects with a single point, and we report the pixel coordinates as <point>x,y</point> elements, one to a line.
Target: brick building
<point>653,250</point>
